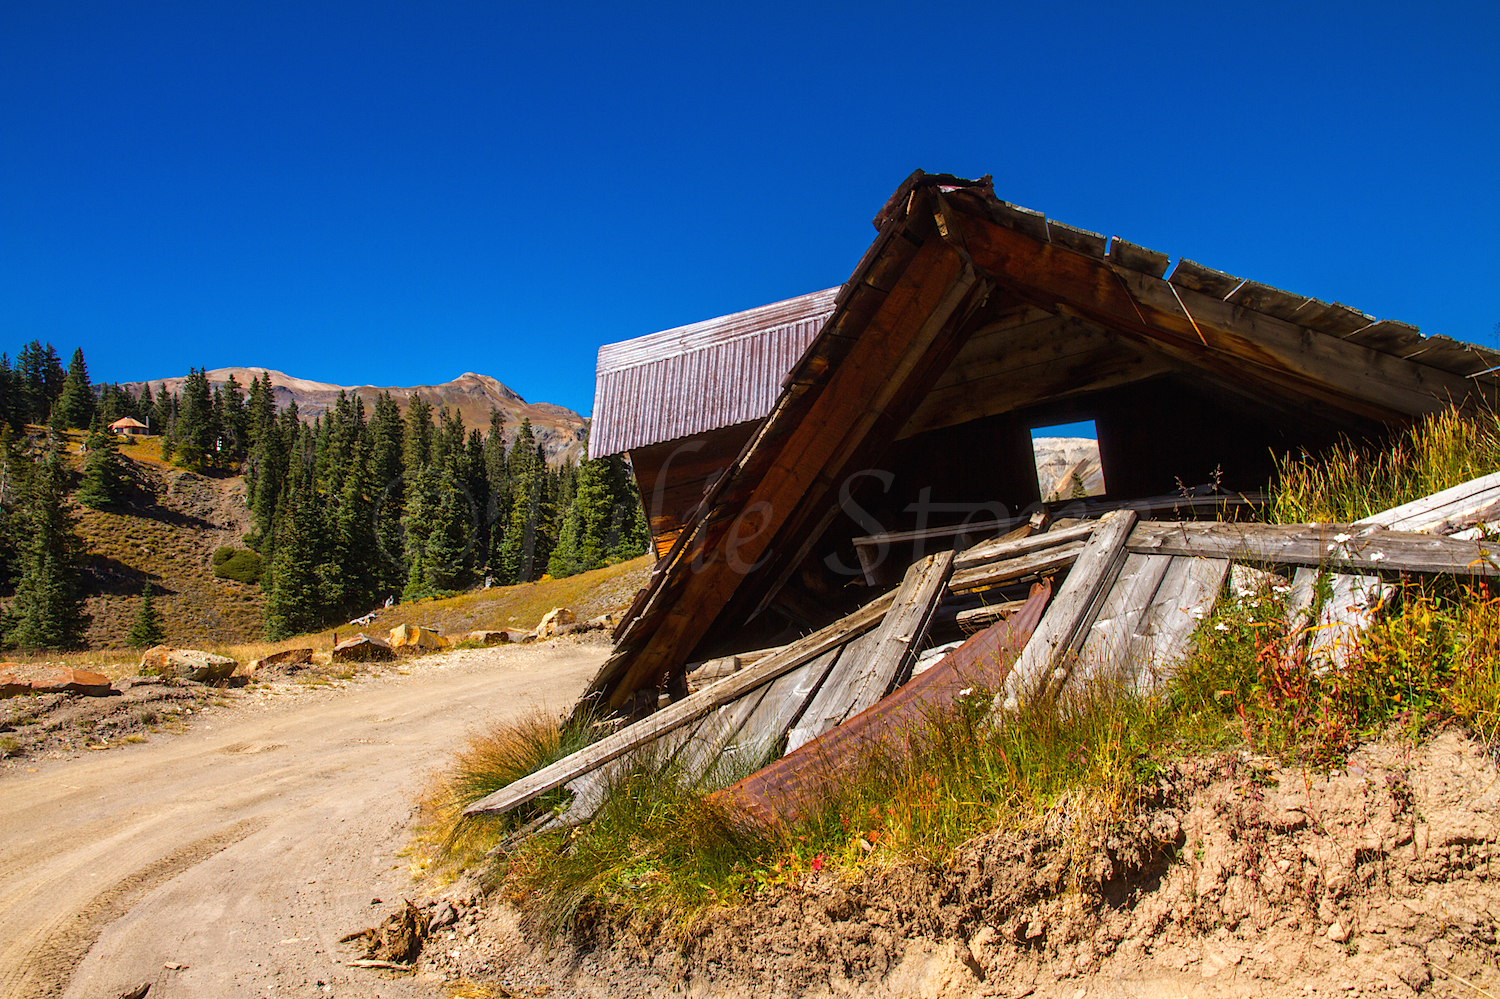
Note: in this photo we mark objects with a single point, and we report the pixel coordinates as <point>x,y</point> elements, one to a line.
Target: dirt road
<point>245,847</point>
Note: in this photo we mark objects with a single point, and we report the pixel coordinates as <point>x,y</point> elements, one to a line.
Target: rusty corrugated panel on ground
<point>700,377</point>
<point>782,790</point>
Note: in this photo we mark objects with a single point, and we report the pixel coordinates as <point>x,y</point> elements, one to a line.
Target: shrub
<point>239,564</point>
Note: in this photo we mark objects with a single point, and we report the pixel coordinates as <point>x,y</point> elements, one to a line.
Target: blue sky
<point>397,193</point>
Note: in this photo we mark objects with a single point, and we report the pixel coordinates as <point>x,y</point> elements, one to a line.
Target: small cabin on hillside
<point>129,426</point>
<point>795,456</point>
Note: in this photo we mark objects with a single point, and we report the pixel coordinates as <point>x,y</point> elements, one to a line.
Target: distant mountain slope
<point>560,431</point>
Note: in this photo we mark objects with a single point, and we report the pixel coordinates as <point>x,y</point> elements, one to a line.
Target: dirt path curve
<point>247,846</point>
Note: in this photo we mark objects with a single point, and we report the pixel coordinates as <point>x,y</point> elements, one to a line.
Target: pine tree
<point>356,551</point>
<point>387,481</point>
<point>104,478</point>
<point>15,492</point>
<point>74,408</point>
<point>145,408</point>
<point>194,431</point>
<point>10,395</point>
<point>497,487</point>
<point>147,629</point>
<point>47,612</point>
<point>417,447</point>
<point>295,598</point>
<point>522,552</point>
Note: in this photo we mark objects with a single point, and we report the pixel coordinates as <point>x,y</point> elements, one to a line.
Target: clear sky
<point>395,193</point>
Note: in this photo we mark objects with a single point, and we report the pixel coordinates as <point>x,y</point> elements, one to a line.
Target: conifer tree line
<point>351,509</point>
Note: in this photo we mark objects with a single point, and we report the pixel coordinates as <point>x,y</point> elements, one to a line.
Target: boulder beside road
<point>553,623</point>
<point>488,637</point>
<point>411,636</point>
<point>362,649</point>
<point>17,679</point>
<point>187,664</point>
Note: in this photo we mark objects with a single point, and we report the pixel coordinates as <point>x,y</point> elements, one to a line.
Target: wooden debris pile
<point>1131,595</point>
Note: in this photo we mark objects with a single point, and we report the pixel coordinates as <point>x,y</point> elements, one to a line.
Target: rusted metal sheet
<point>701,377</point>
<point>782,790</point>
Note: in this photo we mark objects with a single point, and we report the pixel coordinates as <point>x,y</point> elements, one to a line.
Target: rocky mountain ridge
<point>560,431</point>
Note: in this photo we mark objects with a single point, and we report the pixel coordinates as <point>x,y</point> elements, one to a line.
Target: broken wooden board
<point>787,700</point>
<point>1447,511</point>
<point>988,552</point>
<point>863,676</point>
<point>783,789</point>
<point>1094,570</point>
<point>1340,545</point>
<point>1143,627</point>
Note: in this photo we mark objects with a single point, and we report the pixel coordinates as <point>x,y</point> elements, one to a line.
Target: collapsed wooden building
<point>841,483</point>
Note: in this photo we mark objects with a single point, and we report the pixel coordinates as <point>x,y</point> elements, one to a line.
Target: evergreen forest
<point>354,508</point>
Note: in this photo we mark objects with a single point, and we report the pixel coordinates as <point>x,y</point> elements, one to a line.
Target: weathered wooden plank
<point>685,711</point>
<point>1189,589</point>
<point>1451,355</point>
<point>1333,319</point>
<point>976,618</point>
<point>858,681</point>
<point>1205,280</point>
<point>1137,258</point>
<point>1350,608</point>
<point>1094,570</point>
<point>826,702</point>
<point>1388,337</point>
<point>987,552</point>
<point>789,699</point>
<point>1319,544</point>
<point>1110,641</point>
<point>1459,506</point>
<point>1266,299</point>
<point>1036,563</point>
<point>698,757</point>
<point>1090,244</point>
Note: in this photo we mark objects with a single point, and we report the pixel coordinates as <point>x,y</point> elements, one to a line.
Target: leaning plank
<point>1033,564</point>
<point>1189,589</point>
<point>786,701</point>
<point>977,618</point>
<point>994,551</point>
<point>1095,569</point>
<point>1350,607</point>
<point>1110,641</point>
<point>828,701</point>
<point>784,788</point>
<point>1469,503</point>
<point>1319,544</point>
<point>858,681</point>
<point>683,712</point>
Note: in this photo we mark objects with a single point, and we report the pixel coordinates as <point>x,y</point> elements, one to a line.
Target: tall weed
<point>1352,481</point>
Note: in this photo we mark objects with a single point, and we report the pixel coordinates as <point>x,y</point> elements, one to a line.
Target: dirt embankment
<point>1239,878</point>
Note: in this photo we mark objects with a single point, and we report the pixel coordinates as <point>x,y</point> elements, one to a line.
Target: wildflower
<point>1221,626</point>
<point>1196,613</point>
<point>966,692</point>
<point>1377,556</point>
<point>1339,539</point>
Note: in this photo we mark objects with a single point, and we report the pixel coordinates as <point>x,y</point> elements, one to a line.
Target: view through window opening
<point>1067,461</point>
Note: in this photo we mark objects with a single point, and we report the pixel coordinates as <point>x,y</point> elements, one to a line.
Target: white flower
<point>1377,556</point>
<point>1221,626</point>
<point>966,692</point>
<point>1196,613</point>
<point>1341,538</point>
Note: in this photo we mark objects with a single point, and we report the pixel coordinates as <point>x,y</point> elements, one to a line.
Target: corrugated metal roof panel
<point>701,377</point>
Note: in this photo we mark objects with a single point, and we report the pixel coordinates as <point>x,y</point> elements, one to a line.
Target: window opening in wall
<point>1067,461</point>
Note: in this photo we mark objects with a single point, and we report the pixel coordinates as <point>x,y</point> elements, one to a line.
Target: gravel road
<point>245,847</point>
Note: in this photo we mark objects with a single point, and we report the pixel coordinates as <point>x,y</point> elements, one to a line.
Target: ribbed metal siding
<point>701,377</point>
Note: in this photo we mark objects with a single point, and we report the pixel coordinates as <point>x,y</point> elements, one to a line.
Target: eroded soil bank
<point>1239,878</point>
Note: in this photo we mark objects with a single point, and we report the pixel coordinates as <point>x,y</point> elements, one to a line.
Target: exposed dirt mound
<point>1238,877</point>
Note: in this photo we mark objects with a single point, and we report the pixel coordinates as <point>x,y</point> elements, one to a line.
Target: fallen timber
<point>1133,594</point>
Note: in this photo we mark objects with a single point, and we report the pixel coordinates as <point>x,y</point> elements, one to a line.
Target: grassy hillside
<point>166,532</point>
